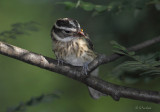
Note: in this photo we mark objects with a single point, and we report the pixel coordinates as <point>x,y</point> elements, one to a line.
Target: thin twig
<point>103,59</point>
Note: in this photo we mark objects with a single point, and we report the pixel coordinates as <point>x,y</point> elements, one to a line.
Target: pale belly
<point>77,61</point>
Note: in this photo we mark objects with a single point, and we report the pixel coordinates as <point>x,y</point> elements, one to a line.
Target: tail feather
<point>94,93</point>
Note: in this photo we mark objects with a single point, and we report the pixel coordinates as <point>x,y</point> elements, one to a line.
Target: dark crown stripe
<point>76,23</point>
<point>56,30</point>
<point>64,23</point>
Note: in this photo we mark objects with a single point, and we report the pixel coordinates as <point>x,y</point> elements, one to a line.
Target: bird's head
<point>66,29</point>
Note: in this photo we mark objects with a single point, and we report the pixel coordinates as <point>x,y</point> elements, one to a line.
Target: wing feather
<point>88,40</point>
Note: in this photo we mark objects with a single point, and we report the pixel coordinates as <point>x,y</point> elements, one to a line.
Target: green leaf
<point>137,58</point>
<point>155,64</point>
<point>119,52</point>
<point>34,101</point>
<point>100,8</point>
<point>118,46</point>
<point>19,29</point>
<point>109,7</point>
<point>145,67</point>
<point>87,6</point>
<point>131,53</point>
<point>151,72</point>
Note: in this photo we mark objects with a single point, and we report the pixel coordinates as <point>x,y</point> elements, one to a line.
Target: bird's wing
<point>88,40</point>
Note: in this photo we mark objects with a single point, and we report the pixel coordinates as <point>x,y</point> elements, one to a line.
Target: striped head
<point>66,29</point>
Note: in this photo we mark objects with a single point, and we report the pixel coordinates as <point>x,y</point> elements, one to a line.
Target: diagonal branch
<point>103,59</point>
<point>116,91</point>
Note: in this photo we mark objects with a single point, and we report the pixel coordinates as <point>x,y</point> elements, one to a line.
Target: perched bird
<point>73,46</point>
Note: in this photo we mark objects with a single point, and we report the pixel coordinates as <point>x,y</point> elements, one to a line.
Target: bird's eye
<point>67,31</point>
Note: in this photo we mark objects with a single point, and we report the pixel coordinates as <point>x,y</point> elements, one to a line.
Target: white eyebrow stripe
<point>79,25</point>
<point>65,28</point>
<point>64,18</point>
<point>72,23</point>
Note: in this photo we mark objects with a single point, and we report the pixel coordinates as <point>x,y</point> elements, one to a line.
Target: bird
<point>72,45</point>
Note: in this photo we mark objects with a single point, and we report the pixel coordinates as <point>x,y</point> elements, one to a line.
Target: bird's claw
<point>85,68</point>
<point>60,61</point>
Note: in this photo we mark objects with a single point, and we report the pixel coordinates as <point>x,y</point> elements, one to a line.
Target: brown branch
<point>103,59</point>
<point>116,91</point>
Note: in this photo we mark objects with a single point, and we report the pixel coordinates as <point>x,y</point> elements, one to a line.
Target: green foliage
<point>18,29</point>
<point>87,6</point>
<point>33,101</point>
<point>119,49</point>
<point>114,5</point>
<point>141,67</point>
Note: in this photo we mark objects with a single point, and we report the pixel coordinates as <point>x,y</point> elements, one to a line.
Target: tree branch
<point>103,59</point>
<point>116,91</point>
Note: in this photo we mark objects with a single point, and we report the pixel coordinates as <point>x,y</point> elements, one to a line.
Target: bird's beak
<point>81,33</point>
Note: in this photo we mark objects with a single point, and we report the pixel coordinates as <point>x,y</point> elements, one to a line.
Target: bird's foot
<point>85,68</point>
<point>60,61</point>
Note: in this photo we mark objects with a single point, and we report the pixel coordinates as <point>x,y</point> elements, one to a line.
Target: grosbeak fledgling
<point>72,45</point>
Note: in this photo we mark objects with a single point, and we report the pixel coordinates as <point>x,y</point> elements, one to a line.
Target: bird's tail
<point>94,93</point>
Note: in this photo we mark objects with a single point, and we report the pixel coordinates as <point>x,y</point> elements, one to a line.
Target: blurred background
<point>27,24</point>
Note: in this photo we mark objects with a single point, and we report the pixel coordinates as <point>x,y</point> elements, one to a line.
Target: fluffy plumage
<point>75,52</point>
<point>73,46</point>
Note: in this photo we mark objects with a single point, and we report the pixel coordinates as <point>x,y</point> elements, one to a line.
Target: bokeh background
<point>19,82</point>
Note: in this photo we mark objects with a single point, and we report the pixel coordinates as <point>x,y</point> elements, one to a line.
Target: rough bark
<point>115,91</point>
